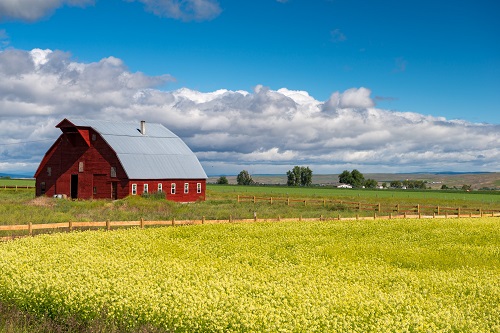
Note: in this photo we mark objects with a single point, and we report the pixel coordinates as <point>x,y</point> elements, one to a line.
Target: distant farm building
<point>111,160</point>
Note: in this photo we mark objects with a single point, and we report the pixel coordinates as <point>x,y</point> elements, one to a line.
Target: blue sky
<point>438,59</point>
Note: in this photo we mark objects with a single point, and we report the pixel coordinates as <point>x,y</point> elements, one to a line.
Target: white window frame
<point>49,171</point>
<point>145,188</point>
<point>160,187</point>
<point>186,188</point>
<point>172,188</point>
<point>112,172</point>
<point>198,187</point>
<point>81,166</point>
<point>134,189</point>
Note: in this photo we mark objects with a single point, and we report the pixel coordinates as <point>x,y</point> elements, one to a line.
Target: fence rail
<point>108,225</point>
<point>373,207</point>
<point>16,187</point>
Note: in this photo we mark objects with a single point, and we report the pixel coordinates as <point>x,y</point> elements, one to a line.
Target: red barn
<point>111,160</point>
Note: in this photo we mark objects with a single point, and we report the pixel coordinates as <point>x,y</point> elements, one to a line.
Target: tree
<point>370,183</point>
<point>222,180</point>
<point>305,176</point>
<point>354,178</point>
<point>345,177</point>
<point>299,176</point>
<point>396,184</point>
<point>244,178</point>
<point>358,178</point>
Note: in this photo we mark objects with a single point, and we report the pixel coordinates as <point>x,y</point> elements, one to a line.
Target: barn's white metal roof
<point>159,154</point>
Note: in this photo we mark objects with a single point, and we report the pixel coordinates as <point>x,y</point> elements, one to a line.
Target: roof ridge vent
<point>143,127</point>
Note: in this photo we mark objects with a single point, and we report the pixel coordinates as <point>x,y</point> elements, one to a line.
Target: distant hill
<point>16,175</point>
<point>477,180</point>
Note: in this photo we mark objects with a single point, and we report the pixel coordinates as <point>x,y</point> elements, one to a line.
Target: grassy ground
<point>17,182</point>
<point>21,207</point>
<point>352,276</point>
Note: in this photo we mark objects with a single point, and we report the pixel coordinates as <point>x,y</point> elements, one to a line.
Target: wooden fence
<point>374,207</point>
<point>108,225</point>
<point>16,187</point>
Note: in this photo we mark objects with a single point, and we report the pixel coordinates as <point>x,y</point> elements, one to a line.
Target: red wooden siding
<point>179,195</point>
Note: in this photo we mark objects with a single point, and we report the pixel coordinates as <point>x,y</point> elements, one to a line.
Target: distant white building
<point>344,186</point>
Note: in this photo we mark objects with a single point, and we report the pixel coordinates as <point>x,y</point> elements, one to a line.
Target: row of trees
<point>410,184</point>
<point>243,178</point>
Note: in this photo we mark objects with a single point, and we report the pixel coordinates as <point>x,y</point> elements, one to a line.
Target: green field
<point>17,182</point>
<point>21,207</point>
<point>357,276</point>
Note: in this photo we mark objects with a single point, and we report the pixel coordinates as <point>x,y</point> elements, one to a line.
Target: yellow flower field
<point>352,276</point>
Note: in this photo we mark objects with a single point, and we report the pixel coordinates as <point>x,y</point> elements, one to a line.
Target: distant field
<point>17,182</point>
<point>475,180</point>
<point>370,195</point>
<point>356,276</point>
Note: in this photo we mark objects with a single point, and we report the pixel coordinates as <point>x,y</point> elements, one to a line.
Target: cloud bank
<point>263,131</point>
<point>186,10</point>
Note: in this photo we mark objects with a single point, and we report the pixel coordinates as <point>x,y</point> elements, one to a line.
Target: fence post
<point>374,215</point>
<point>173,221</point>
<point>359,205</point>
<point>70,225</point>
<point>390,216</point>
<point>203,220</point>
<point>379,207</point>
<point>305,202</point>
<point>300,218</point>
<point>230,218</point>
<point>321,217</point>
<point>254,199</point>
<point>30,228</point>
<point>339,217</point>
<point>481,212</point>
<point>142,223</point>
<point>255,216</point>
<point>397,208</point>
<point>357,216</point>
<point>418,209</point>
<point>405,215</point>
<point>108,225</point>
<point>458,212</point>
<point>438,211</point>
<point>288,201</point>
<point>238,198</point>
<point>271,200</point>
<point>324,202</point>
<point>279,218</point>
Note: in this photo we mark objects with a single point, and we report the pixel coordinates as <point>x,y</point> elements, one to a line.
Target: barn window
<point>94,137</point>
<point>49,171</point>
<point>198,188</point>
<point>113,172</point>
<point>160,187</point>
<point>80,167</point>
<point>42,187</point>
<point>95,190</point>
<point>172,188</point>
<point>145,188</point>
<point>186,187</point>
<point>134,189</point>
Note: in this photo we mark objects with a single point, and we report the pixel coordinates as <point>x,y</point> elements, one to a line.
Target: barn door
<point>74,186</point>
<point>114,190</point>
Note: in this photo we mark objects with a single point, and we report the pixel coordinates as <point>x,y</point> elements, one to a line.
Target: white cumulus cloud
<point>32,10</point>
<point>186,10</point>
<point>264,130</point>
